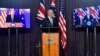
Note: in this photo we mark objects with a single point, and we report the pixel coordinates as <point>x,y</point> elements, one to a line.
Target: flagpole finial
<point>53,5</point>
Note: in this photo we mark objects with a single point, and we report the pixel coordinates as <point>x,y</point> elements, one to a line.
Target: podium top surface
<point>50,29</point>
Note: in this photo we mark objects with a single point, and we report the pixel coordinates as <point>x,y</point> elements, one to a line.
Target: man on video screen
<point>88,19</point>
<point>50,20</point>
<point>12,17</point>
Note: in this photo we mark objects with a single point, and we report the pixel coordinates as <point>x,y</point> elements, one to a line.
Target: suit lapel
<point>50,22</point>
<point>11,18</point>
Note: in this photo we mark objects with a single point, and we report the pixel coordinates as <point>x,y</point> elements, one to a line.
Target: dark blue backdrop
<point>29,38</point>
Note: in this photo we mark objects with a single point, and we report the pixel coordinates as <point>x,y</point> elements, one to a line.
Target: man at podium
<point>50,20</point>
<point>13,20</point>
<point>89,20</point>
<point>12,17</point>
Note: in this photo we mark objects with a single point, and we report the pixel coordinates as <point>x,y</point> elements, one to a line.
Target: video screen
<point>14,18</point>
<point>86,17</point>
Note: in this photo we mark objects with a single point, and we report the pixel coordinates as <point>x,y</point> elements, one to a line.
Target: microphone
<point>13,25</point>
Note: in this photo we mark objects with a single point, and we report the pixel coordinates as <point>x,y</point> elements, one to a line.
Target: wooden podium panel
<point>50,44</point>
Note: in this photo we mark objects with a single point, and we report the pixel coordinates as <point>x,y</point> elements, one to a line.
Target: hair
<point>49,10</point>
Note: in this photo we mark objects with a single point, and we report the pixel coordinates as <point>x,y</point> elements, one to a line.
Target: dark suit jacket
<point>9,19</point>
<point>46,22</point>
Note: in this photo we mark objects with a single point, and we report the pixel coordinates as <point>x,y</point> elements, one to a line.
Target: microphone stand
<point>9,42</point>
<point>87,41</point>
<point>17,42</point>
<point>49,40</point>
<point>95,43</point>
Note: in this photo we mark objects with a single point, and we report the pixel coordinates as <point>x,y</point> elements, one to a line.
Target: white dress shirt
<point>51,20</point>
<point>12,17</point>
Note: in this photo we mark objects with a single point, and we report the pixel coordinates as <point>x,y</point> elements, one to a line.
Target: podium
<point>50,41</point>
<point>9,25</point>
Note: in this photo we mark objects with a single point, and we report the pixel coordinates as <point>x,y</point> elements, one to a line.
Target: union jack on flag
<point>41,11</point>
<point>81,13</point>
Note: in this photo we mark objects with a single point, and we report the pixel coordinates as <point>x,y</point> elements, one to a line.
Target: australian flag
<point>22,17</point>
<point>41,12</point>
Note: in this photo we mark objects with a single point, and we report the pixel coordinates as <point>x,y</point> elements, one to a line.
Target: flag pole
<point>95,43</point>
<point>9,42</point>
<point>49,41</point>
<point>87,41</point>
<point>17,42</point>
